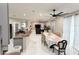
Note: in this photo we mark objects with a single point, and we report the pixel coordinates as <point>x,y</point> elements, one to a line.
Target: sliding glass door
<point>76,32</point>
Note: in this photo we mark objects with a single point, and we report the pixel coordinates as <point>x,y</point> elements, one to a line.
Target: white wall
<point>0,36</point>
<point>4,23</point>
<point>58,25</point>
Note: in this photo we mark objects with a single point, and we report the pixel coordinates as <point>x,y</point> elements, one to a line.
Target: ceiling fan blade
<point>59,13</point>
<point>51,14</point>
<point>54,11</point>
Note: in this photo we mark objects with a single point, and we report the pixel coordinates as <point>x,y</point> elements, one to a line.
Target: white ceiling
<point>39,11</point>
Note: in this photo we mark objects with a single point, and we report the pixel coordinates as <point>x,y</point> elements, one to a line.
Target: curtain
<point>66,28</point>
<point>76,32</point>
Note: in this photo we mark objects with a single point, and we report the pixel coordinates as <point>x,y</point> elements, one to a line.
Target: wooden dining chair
<point>60,47</point>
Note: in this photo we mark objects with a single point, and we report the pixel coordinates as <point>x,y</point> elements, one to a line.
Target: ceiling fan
<point>54,14</point>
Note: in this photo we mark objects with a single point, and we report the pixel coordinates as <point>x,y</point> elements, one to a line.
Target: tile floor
<point>33,46</point>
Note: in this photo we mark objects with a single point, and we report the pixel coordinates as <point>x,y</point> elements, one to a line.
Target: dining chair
<point>60,47</point>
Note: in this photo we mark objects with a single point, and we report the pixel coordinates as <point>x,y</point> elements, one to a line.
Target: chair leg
<point>44,43</point>
<point>58,52</point>
<point>53,49</point>
<point>64,53</point>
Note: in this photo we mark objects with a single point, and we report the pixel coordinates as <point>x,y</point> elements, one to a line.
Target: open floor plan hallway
<point>34,45</point>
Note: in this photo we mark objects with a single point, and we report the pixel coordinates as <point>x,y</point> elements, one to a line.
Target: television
<point>38,28</point>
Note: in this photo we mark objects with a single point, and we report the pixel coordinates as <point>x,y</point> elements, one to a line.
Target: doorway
<point>38,28</point>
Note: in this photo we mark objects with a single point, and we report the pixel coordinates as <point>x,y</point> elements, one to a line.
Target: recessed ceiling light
<point>24,14</point>
<point>40,14</point>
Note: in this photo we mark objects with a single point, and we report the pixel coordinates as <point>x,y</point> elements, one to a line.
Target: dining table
<point>51,38</point>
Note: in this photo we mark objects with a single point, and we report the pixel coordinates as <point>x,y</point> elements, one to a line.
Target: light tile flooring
<point>33,46</point>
